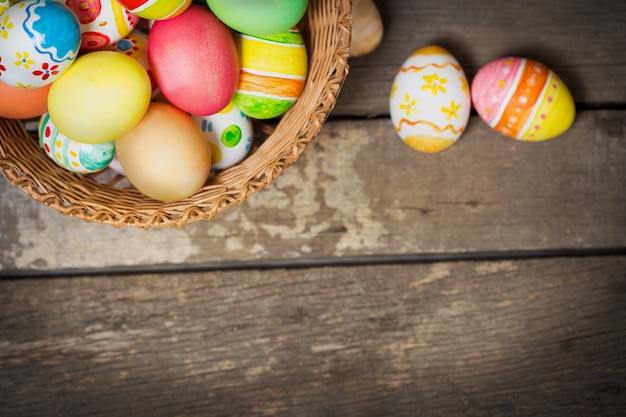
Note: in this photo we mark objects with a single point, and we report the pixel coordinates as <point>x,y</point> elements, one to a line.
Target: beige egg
<point>367,28</point>
<point>165,156</point>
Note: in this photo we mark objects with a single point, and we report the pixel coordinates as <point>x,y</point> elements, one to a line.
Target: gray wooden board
<point>516,338</point>
<point>583,41</point>
<point>358,190</point>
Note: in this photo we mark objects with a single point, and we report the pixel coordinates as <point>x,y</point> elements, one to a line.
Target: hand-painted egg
<point>165,156</point>
<point>103,22</point>
<point>430,103</point>
<point>229,133</point>
<point>23,103</point>
<point>5,4</point>
<point>367,28</point>
<point>272,73</point>
<point>522,99</point>
<point>40,39</point>
<point>194,61</point>
<point>103,95</point>
<point>71,155</point>
<point>259,18</point>
<point>156,9</point>
<point>135,45</point>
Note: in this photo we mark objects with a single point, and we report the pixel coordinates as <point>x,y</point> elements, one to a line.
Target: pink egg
<point>194,61</point>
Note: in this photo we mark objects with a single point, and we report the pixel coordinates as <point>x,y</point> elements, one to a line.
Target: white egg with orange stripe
<point>430,102</point>
<point>272,73</point>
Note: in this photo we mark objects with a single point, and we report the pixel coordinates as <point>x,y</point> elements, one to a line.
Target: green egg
<point>259,18</point>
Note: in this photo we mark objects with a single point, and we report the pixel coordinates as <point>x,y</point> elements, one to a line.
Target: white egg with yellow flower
<point>430,101</point>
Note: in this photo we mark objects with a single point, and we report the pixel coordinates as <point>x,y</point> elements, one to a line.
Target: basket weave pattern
<point>326,30</point>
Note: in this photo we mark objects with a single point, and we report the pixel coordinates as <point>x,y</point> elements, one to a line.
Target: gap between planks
<point>347,261</point>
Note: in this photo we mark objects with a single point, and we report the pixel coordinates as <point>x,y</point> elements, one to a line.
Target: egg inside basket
<point>106,197</point>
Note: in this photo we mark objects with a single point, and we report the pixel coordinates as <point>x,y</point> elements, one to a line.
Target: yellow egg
<point>102,96</point>
<point>166,156</point>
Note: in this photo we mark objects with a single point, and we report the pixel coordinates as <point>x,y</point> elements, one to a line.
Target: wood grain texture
<point>583,41</point>
<point>516,338</point>
<point>360,191</point>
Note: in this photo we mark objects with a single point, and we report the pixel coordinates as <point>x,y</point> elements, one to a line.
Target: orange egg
<point>165,156</point>
<point>23,103</point>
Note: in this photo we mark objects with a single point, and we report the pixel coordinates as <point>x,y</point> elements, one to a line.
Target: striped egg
<point>522,99</point>
<point>156,9</point>
<point>272,73</point>
<point>229,133</point>
<point>71,155</point>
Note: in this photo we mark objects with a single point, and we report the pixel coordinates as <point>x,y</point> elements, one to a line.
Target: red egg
<point>194,61</point>
<point>23,103</point>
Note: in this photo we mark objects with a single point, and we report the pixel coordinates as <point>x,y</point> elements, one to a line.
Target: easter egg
<point>5,4</point>
<point>71,155</point>
<point>135,45</point>
<point>102,22</point>
<point>367,28</point>
<point>430,102</point>
<point>194,61</point>
<point>103,95</point>
<point>40,39</point>
<point>23,103</point>
<point>165,156</point>
<point>156,9</point>
<point>229,133</point>
<point>259,18</point>
<point>272,73</point>
<point>522,99</point>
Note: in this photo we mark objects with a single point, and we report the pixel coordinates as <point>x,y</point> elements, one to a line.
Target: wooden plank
<point>516,338</point>
<point>358,190</point>
<point>583,41</point>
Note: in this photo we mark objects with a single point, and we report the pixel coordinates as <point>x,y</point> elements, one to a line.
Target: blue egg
<point>40,40</point>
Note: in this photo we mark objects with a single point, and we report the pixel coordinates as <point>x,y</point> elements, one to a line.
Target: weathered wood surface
<point>360,191</point>
<point>525,338</point>
<point>583,41</point>
<point>543,336</point>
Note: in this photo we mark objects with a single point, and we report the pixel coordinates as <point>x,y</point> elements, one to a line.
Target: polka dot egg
<point>430,103</point>
<point>272,73</point>
<point>71,155</point>
<point>229,133</point>
<point>522,99</point>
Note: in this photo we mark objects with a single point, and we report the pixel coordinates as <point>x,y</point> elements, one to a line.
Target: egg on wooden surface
<point>103,95</point>
<point>165,156</point>
<point>272,73</point>
<point>430,102</point>
<point>71,155</point>
<point>259,18</point>
<point>229,133</point>
<point>367,28</point>
<point>522,99</point>
<point>193,59</point>
<point>23,103</point>
<point>156,9</point>
<point>40,41</point>
<point>135,45</point>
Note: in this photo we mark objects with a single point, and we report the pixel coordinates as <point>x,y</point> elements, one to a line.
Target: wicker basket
<point>100,198</point>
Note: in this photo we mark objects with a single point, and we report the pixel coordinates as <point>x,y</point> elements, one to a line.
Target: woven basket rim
<point>326,28</point>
